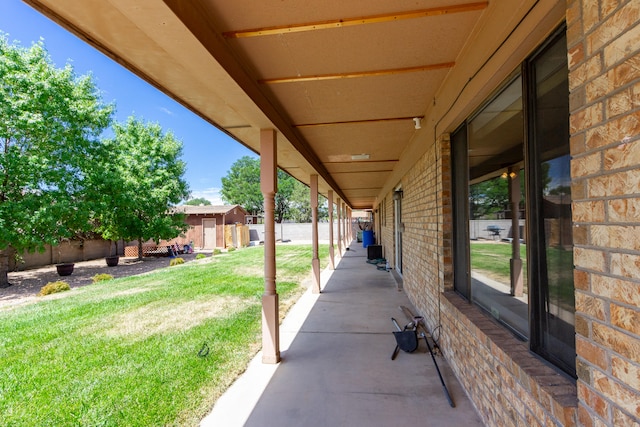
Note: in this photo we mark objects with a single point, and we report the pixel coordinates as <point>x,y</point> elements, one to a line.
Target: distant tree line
<point>241,186</point>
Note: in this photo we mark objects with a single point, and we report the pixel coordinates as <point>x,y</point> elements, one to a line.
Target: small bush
<point>101,277</point>
<point>216,251</point>
<point>200,256</point>
<point>54,287</point>
<point>176,261</point>
<point>231,249</point>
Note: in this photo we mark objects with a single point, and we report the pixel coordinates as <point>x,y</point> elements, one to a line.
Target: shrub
<point>216,251</point>
<point>176,261</point>
<point>101,277</point>
<point>200,256</point>
<point>231,249</point>
<point>54,287</point>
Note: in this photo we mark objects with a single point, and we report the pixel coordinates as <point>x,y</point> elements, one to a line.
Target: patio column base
<point>315,263</point>
<point>270,329</point>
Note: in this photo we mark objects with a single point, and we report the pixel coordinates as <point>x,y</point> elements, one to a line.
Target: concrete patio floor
<point>336,367</point>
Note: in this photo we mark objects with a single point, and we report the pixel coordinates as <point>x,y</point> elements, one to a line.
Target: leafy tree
<point>488,197</point>
<point>142,183</point>
<point>286,186</point>
<point>241,185</point>
<point>198,201</point>
<point>50,122</point>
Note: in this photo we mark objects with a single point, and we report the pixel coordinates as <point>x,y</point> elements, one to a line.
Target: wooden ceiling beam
<point>350,122</point>
<point>348,22</point>
<point>353,75</point>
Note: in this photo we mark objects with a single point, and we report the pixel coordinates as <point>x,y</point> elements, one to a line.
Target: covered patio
<point>402,109</point>
<point>336,367</point>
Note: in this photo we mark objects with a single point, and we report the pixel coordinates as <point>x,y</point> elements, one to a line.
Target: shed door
<point>209,232</point>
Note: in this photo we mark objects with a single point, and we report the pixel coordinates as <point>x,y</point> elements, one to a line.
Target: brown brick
<point>581,280</point>
<point>622,156</point>
<point>626,372</point>
<point>625,318</point>
<point>616,289</point>
<point>599,235</point>
<point>577,143</point>
<point>614,236</point>
<point>584,417</point>
<point>574,11</point>
<point>597,88</point>
<point>623,396</point>
<point>621,47</point>
<point>575,55</point>
<point>621,343</point>
<point>626,265</point>
<point>622,183</point>
<point>586,71</point>
<point>586,165</point>
<point>626,72</point>
<point>590,15</point>
<point>589,259</point>
<point>624,210</point>
<point>591,353</point>
<point>582,326</point>
<point>593,400</point>
<point>623,101</point>
<point>577,98</point>
<point>586,118</point>
<point>620,419</point>
<point>589,211</point>
<point>583,371</point>
<point>591,306</point>
<point>607,7</point>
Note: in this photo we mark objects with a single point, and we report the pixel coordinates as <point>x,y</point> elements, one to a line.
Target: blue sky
<point>208,152</point>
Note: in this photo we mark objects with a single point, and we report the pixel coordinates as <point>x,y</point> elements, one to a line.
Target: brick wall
<point>508,384</point>
<point>604,79</point>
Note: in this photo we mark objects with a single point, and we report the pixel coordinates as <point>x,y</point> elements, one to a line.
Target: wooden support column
<point>344,225</point>
<point>332,259</point>
<point>269,188</point>
<point>517,284</point>
<point>315,262</point>
<point>338,208</point>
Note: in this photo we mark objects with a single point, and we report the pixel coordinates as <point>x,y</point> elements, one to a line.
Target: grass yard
<point>492,260</point>
<point>126,352</point>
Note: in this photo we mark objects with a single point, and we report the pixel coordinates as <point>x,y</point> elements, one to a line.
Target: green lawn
<point>125,352</point>
<point>492,260</point>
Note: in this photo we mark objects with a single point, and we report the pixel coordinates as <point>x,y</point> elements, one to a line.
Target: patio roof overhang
<point>346,84</point>
<point>341,82</point>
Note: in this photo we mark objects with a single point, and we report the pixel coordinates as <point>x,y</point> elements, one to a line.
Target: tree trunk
<point>4,269</point>
<point>139,248</point>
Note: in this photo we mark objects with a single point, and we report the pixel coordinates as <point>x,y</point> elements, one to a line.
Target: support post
<point>338,209</point>
<point>315,262</point>
<point>517,284</point>
<point>269,188</point>
<point>332,259</point>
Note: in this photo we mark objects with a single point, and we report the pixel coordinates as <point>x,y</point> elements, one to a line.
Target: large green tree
<point>241,186</point>
<point>141,184</point>
<point>50,122</point>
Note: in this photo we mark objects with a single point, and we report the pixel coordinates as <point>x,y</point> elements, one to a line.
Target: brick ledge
<point>556,392</point>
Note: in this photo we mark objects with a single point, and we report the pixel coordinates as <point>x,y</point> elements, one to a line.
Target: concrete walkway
<point>336,367</point>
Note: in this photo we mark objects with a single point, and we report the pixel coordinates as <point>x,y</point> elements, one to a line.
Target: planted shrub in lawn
<point>176,261</point>
<point>101,277</point>
<point>231,249</point>
<point>216,251</point>
<point>54,287</point>
<point>200,256</point>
